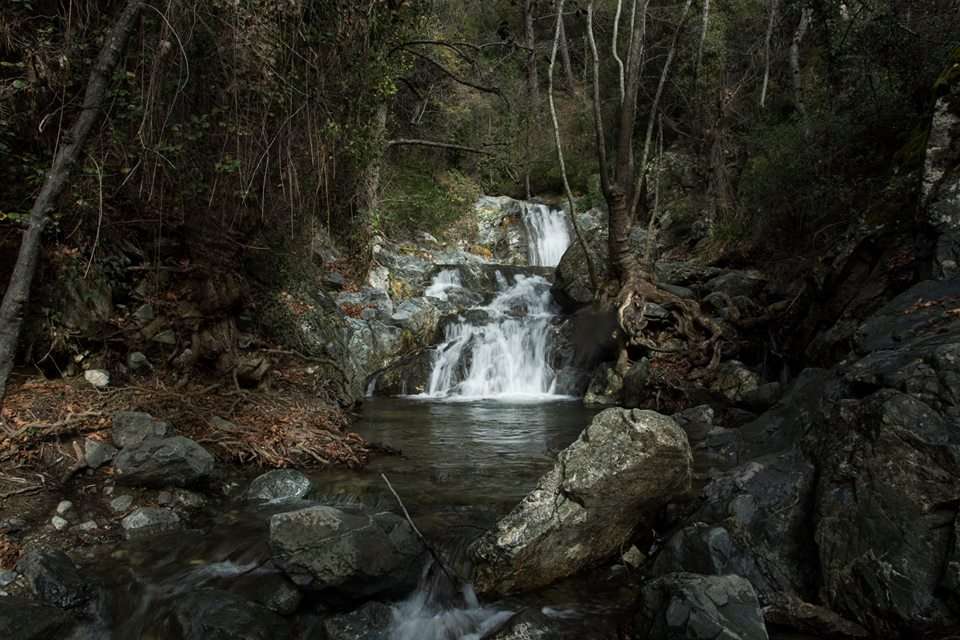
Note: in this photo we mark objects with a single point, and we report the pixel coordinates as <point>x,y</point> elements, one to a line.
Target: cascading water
<point>548,234</point>
<point>504,355</point>
<point>501,350</point>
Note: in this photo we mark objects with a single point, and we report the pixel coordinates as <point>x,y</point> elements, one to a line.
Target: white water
<point>443,282</point>
<point>505,357</point>
<point>548,235</point>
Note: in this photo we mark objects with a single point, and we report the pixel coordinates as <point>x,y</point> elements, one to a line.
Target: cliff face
<point>941,178</point>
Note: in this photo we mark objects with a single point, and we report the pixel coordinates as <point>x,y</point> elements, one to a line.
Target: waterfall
<point>501,350</point>
<point>442,282</point>
<point>548,235</point>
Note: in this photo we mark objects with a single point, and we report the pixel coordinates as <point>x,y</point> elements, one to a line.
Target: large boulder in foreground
<point>621,470</point>
<point>683,606</point>
<point>354,553</point>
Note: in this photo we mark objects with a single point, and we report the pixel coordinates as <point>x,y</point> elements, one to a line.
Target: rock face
<point>624,467</point>
<point>354,554</point>
<point>687,606</point>
<point>176,461</point>
<point>941,179</point>
<point>281,484</point>
<point>848,489</point>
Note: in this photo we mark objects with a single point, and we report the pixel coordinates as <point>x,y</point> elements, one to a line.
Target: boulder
<point>354,554</point>
<point>22,619</point>
<point>734,381</point>
<point>621,470</point>
<point>279,485</point>
<point>98,453</point>
<point>176,461</point>
<point>55,579</point>
<point>682,606</point>
<point>277,593</point>
<point>130,428</point>
<point>150,521</point>
<point>212,614</point>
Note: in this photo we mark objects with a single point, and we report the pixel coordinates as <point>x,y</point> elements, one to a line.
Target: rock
<point>369,622</point>
<point>188,499</point>
<point>355,554</point>
<point>54,578</point>
<point>63,507</point>
<point>734,381</point>
<point>278,485</point>
<point>683,606</point>
<point>621,470</point>
<point>176,461</point>
<point>571,381</point>
<point>145,522</point>
<point>212,614</point>
<point>277,593</point>
<point>167,337</point>
<point>737,283</point>
<point>144,314</point>
<point>763,397</point>
<point>703,549</point>
<point>634,558</point>
<point>22,619</point>
<point>89,525</point>
<point>635,388</point>
<point>941,176</point>
<point>59,523</point>
<point>813,619</point>
<point>334,281</point>
<point>99,378</point>
<point>137,362</point>
<point>97,453</point>
<point>121,503</point>
<point>7,578</point>
<point>130,428</point>
<point>605,386</point>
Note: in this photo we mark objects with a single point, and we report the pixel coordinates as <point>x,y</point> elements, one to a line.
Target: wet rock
<point>211,614</point>
<point>281,484</point>
<point>130,428</point>
<point>22,619</point>
<point>683,606</point>
<point>98,453</point>
<point>150,521</point>
<point>621,470</point>
<point>763,397</point>
<point>176,461</point>
<point>529,624</point>
<point>703,549</point>
<point>635,388</point>
<point>277,593</point>
<point>355,554</point>
<point>99,378</point>
<point>369,622</point>
<point>54,579</point>
<point>572,381</point>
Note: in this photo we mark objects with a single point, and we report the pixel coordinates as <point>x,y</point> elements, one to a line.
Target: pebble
<point>64,507</point>
<point>89,525</point>
<point>59,523</point>
<point>99,378</point>
<point>7,578</point>
<point>121,503</point>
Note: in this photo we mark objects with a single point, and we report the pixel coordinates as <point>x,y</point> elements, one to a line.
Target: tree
<point>15,299</point>
<point>623,180</point>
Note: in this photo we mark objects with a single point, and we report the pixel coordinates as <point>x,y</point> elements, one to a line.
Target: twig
<point>21,491</point>
<point>436,556</point>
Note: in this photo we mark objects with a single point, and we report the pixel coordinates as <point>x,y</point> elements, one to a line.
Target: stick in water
<point>436,556</point>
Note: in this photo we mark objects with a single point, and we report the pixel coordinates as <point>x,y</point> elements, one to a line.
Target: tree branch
<point>407,142</point>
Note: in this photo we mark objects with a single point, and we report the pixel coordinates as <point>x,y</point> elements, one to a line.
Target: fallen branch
<point>436,556</point>
<point>21,491</point>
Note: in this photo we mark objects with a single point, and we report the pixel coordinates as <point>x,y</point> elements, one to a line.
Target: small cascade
<point>443,282</point>
<point>499,350</point>
<point>548,234</point>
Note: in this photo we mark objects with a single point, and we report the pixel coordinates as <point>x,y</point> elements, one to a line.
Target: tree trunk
<point>15,299</point>
<point>806,15</point>
<point>774,4</point>
<point>565,58</point>
<point>533,87</point>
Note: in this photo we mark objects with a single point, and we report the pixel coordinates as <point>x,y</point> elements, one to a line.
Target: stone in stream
<point>369,622</point>
<point>688,606</point>
<point>176,461</point>
<point>354,554</point>
<point>130,428</point>
<point>621,470</point>
<point>22,619</point>
<point>54,578</point>
<point>150,521</point>
<point>212,614</point>
<point>278,485</point>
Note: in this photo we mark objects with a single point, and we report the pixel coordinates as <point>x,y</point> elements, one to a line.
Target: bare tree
<point>774,5</point>
<point>558,36</point>
<point>806,16</point>
<point>623,181</point>
<point>533,84</point>
<point>15,299</point>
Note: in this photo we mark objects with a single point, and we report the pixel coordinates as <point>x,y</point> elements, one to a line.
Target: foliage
<point>416,197</point>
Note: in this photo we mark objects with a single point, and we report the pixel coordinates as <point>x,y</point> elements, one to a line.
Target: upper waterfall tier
<point>548,234</point>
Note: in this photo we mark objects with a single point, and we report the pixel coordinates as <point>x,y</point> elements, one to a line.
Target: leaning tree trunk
<point>17,295</point>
